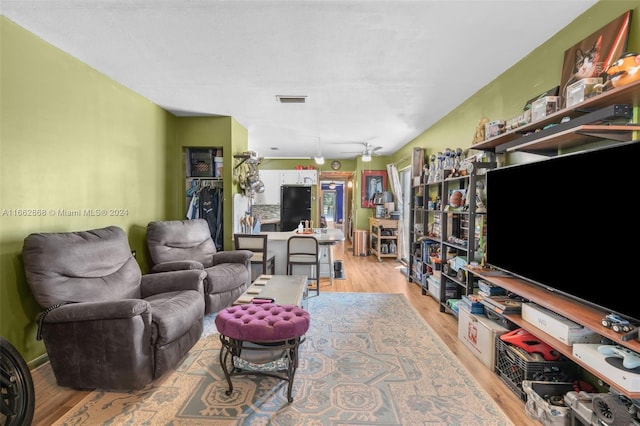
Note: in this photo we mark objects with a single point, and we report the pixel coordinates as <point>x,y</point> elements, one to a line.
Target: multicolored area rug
<point>369,359</point>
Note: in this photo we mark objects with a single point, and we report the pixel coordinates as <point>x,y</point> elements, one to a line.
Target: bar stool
<point>256,243</point>
<point>304,250</point>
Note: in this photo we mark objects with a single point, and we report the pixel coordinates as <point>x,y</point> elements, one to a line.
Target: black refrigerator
<point>295,205</point>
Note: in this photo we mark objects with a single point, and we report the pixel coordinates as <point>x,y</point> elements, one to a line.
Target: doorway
<point>334,200</point>
<point>332,212</point>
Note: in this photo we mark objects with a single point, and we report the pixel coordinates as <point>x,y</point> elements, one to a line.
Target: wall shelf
<point>629,94</point>
<point>577,136</point>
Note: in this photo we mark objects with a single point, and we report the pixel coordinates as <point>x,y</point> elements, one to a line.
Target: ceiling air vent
<point>287,99</point>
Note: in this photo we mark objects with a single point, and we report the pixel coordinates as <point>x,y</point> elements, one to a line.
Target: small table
<point>283,289</point>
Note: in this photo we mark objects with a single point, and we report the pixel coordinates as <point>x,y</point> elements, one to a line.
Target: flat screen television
<point>569,224</point>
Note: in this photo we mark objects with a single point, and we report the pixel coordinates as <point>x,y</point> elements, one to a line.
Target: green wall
<point>72,139</point>
<point>540,70</point>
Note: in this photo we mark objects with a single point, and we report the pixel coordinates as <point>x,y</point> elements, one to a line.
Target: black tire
<point>611,410</point>
<point>18,395</point>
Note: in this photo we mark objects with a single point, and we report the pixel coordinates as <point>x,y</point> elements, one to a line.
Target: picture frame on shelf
<point>600,50</point>
<point>373,181</point>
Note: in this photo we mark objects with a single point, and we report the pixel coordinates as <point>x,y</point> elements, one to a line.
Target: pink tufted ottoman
<point>261,339</point>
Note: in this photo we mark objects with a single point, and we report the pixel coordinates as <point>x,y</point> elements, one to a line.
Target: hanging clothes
<point>193,200</point>
<point>193,211</point>
<point>211,209</point>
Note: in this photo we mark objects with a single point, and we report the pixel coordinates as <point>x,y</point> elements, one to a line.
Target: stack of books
<point>502,305</point>
<point>473,303</point>
<point>487,289</point>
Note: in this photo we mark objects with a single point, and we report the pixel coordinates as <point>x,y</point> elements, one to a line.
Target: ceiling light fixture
<point>366,157</point>
<point>290,99</point>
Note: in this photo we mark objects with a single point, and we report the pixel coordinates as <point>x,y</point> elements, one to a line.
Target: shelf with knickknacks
<point>448,218</point>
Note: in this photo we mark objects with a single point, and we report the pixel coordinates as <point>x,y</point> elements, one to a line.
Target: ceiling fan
<point>367,151</point>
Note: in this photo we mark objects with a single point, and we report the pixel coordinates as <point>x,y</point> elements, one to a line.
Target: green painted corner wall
<point>78,151</point>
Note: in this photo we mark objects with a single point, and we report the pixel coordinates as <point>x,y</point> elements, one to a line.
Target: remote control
<point>630,359</point>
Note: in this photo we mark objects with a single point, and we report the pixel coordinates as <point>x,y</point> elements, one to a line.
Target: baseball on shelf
<point>456,199</point>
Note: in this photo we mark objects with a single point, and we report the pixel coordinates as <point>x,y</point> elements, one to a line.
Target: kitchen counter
<point>277,245</point>
<point>324,235</point>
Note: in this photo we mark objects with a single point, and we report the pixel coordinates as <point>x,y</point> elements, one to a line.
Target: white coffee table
<point>283,289</point>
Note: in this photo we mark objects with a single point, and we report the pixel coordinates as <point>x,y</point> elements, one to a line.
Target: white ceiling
<point>373,71</point>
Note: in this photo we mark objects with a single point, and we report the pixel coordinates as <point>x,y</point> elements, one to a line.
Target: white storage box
<point>544,106</point>
<point>478,333</point>
<point>568,332</point>
<point>583,89</point>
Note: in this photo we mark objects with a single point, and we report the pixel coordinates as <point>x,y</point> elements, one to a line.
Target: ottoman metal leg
<point>232,348</point>
<point>273,335</point>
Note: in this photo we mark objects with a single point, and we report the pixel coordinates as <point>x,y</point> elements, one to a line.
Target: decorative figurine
<point>432,169</point>
<point>448,159</point>
<point>440,167</point>
<point>625,70</point>
<point>457,162</point>
<point>479,136</point>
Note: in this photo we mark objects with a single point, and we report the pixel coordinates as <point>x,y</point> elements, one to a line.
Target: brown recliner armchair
<point>187,244</point>
<point>106,325</point>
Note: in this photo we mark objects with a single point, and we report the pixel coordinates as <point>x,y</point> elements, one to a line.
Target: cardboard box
<point>478,333</point>
<point>544,106</point>
<point>494,128</point>
<point>519,120</point>
<point>583,89</point>
<point>568,332</point>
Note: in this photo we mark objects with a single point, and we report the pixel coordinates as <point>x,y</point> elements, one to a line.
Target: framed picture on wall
<point>372,181</point>
<point>591,57</point>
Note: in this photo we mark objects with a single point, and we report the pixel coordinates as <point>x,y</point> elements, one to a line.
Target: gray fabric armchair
<point>187,244</point>
<point>105,325</point>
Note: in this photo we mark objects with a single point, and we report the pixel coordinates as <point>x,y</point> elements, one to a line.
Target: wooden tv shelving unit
<point>574,310</point>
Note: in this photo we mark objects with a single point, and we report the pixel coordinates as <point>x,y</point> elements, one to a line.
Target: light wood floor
<point>363,274</point>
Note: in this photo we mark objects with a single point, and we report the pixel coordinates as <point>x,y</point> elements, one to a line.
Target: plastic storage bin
<point>201,162</point>
<point>513,366</point>
<point>433,286</point>
<point>545,402</point>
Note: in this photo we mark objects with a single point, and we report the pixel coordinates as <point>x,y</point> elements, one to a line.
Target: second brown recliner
<point>187,244</point>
